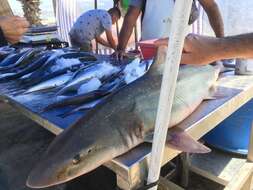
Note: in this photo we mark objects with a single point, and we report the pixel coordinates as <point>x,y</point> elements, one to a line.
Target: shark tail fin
<point>181,141</point>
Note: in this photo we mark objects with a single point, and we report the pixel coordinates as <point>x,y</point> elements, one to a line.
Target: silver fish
<point>126,120</point>
<point>84,75</point>
<point>52,83</point>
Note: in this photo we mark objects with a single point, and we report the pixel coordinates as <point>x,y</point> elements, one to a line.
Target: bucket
<point>148,49</point>
<point>233,133</point>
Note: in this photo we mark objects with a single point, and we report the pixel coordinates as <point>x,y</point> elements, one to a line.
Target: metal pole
<point>54,5</point>
<point>180,20</point>
<point>136,36</point>
<point>96,7</point>
<point>117,22</point>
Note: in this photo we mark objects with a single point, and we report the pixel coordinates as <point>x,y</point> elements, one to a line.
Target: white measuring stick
<point>181,14</point>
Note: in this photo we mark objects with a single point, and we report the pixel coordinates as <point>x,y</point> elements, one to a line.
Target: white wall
<point>238,17</point>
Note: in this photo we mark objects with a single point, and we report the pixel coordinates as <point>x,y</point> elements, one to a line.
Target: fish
<point>12,58</point>
<point>113,80</point>
<point>6,51</point>
<point>58,64</point>
<point>36,63</point>
<point>124,121</point>
<point>23,60</point>
<point>87,97</point>
<point>50,84</point>
<point>99,71</point>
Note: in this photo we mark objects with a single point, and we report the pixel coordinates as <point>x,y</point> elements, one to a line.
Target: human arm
<point>205,50</point>
<point>128,26</point>
<point>212,10</point>
<point>100,40</point>
<point>110,43</point>
<point>13,27</point>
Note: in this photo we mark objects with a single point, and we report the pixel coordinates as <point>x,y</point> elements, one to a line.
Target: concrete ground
<point>22,142</point>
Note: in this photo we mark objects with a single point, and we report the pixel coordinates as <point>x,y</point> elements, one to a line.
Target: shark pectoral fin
<point>181,141</point>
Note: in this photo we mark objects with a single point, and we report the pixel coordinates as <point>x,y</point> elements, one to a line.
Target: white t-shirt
<point>157,19</point>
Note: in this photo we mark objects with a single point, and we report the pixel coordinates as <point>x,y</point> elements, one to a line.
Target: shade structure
<point>5,9</point>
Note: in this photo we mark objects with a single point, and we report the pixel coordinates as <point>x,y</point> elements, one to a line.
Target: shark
<point>124,121</point>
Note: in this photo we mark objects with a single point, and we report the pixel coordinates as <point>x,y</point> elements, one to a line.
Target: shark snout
<point>36,180</point>
<point>43,177</point>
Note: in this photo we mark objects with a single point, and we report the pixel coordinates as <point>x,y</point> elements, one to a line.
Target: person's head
<point>115,14</point>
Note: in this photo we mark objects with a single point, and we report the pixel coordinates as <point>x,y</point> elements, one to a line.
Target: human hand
<point>200,50</point>
<point>13,28</point>
<point>119,55</point>
<point>161,42</point>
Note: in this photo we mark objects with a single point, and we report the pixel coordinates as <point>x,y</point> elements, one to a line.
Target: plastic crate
<point>148,49</point>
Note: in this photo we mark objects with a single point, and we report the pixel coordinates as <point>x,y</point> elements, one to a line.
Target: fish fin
<point>214,97</point>
<point>180,140</point>
<point>214,94</point>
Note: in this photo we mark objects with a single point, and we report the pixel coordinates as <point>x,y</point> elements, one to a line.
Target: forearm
<point>216,21</point>
<point>113,44</point>
<point>212,10</point>
<point>128,26</point>
<point>110,39</point>
<point>204,50</point>
<point>240,46</point>
<point>103,42</point>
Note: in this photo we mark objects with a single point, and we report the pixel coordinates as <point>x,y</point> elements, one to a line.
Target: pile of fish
<point>124,121</point>
<point>77,79</point>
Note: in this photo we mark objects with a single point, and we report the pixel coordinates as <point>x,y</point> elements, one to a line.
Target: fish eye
<point>76,159</point>
<point>89,151</point>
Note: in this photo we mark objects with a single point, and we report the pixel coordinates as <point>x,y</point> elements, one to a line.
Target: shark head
<point>77,151</point>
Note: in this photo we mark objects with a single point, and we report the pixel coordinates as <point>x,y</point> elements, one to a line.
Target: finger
<point>161,42</point>
<point>121,56</point>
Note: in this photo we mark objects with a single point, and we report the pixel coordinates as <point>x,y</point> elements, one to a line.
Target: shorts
<point>84,46</point>
<point>138,3</point>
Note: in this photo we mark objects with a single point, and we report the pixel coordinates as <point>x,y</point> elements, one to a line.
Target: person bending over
<point>91,25</point>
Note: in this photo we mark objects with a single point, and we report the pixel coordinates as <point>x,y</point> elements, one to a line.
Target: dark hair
<point>115,10</point>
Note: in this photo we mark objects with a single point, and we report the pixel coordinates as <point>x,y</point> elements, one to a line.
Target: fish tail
<point>181,141</point>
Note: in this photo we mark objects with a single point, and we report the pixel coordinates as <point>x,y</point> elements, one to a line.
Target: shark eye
<point>76,159</point>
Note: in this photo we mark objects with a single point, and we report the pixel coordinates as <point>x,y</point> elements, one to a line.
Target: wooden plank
<point>181,14</point>
<point>250,152</point>
<point>238,182</point>
<point>5,9</point>
<point>208,175</point>
<point>217,166</point>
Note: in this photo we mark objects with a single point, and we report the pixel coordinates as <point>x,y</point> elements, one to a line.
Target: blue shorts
<point>137,3</point>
